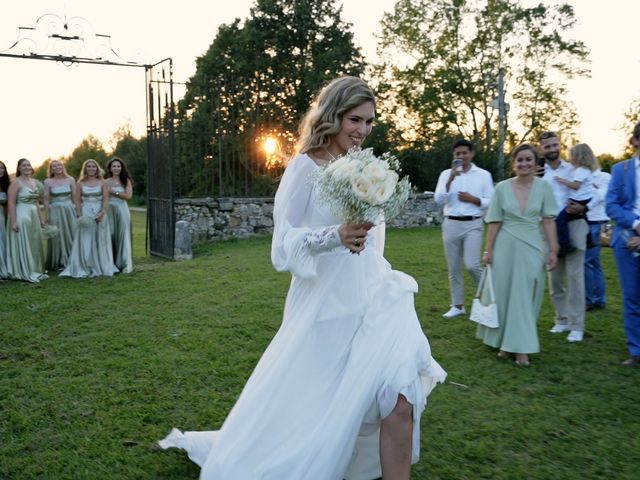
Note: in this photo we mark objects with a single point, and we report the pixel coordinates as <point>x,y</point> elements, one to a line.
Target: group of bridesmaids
<point>87,224</point>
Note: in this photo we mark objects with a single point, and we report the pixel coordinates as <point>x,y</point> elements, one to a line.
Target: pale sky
<point>49,108</point>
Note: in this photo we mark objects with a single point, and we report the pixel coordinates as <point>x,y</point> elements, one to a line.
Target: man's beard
<point>552,156</point>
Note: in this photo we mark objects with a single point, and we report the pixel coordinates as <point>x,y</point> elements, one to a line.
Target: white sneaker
<point>575,336</point>
<point>454,312</point>
<point>557,328</point>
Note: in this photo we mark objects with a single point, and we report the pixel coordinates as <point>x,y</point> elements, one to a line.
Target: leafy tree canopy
<point>631,117</point>
<point>133,151</point>
<point>90,147</point>
<point>441,64</point>
<point>256,80</point>
<point>279,57</point>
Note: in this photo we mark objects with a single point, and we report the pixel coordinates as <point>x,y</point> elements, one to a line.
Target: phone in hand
<point>540,163</point>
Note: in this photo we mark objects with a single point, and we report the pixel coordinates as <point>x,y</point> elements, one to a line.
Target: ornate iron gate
<point>160,163</point>
<point>71,41</point>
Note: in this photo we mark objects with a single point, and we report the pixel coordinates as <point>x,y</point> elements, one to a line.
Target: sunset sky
<point>49,108</point>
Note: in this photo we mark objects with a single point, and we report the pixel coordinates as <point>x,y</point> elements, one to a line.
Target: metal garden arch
<point>72,41</point>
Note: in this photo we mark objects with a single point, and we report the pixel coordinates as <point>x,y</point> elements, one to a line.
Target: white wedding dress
<point>349,344</point>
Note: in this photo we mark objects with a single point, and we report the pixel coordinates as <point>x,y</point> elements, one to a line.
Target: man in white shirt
<point>567,279</point>
<point>594,284</point>
<point>465,191</point>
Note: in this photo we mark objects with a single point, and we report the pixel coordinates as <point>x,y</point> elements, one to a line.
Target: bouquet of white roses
<point>360,187</point>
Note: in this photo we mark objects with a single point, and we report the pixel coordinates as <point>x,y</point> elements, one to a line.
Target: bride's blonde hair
<point>324,118</point>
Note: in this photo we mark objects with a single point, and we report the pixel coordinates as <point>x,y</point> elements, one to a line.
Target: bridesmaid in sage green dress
<point>59,198</point>
<point>91,254</point>
<point>517,252</point>
<point>4,188</point>
<point>25,255</point>
<point>120,186</point>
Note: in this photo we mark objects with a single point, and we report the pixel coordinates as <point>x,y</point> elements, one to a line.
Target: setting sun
<point>270,145</point>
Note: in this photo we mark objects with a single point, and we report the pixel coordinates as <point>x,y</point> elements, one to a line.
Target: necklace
<point>333,159</point>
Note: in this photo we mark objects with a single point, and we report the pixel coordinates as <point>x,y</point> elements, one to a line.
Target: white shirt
<point>585,177</point>
<point>596,212</point>
<point>476,181</point>
<point>560,191</point>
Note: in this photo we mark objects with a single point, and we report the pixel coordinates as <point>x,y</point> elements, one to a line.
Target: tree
<point>631,117</point>
<point>90,147</point>
<point>606,161</point>
<point>41,171</point>
<point>441,60</point>
<point>134,153</point>
<point>256,80</point>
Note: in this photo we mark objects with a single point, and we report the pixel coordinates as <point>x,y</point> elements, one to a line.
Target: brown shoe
<point>634,361</point>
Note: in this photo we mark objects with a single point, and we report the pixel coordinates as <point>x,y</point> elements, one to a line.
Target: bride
<point>339,392</point>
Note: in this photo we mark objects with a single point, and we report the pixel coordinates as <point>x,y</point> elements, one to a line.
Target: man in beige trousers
<point>464,190</point>
<point>567,279</point>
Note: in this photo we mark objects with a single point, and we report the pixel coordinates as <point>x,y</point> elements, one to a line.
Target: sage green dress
<point>25,253</point>
<point>4,273</point>
<point>518,267</point>
<point>62,214</point>
<point>120,223</point>
<point>91,254</point>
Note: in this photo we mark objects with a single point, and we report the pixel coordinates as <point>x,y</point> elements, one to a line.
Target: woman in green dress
<point>59,198</point>
<point>120,185</point>
<point>91,254</point>
<point>25,255</point>
<point>517,250</point>
<point>4,188</point>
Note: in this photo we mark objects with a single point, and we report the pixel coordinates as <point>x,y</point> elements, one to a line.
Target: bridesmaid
<point>59,198</point>
<point>91,254</point>
<point>120,185</point>
<point>4,188</point>
<point>25,256</point>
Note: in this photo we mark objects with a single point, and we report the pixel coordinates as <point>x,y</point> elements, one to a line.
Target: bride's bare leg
<point>396,433</point>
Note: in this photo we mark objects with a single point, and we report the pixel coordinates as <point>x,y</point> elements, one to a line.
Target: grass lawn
<point>93,372</point>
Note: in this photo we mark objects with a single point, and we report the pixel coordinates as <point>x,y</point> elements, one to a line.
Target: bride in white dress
<point>339,392</point>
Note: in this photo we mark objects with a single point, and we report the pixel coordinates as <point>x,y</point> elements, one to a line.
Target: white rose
<point>362,187</point>
<point>342,169</point>
<point>382,191</point>
<point>376,171</point>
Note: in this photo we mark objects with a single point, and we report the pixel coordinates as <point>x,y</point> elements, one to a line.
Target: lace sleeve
<point>322,240</point>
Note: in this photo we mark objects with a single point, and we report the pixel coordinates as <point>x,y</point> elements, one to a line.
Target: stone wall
<point>212,219</point>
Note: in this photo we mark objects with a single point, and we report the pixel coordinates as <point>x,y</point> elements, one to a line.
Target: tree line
<point>436,81</point>
<point>125,146</point>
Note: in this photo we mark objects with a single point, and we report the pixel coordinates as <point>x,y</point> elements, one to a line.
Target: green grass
<point>93,372</point>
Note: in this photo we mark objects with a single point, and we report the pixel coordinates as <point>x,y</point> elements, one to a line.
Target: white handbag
<point>486,315</point>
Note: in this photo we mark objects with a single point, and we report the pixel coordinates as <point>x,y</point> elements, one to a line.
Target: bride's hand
<point>354,235</point>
